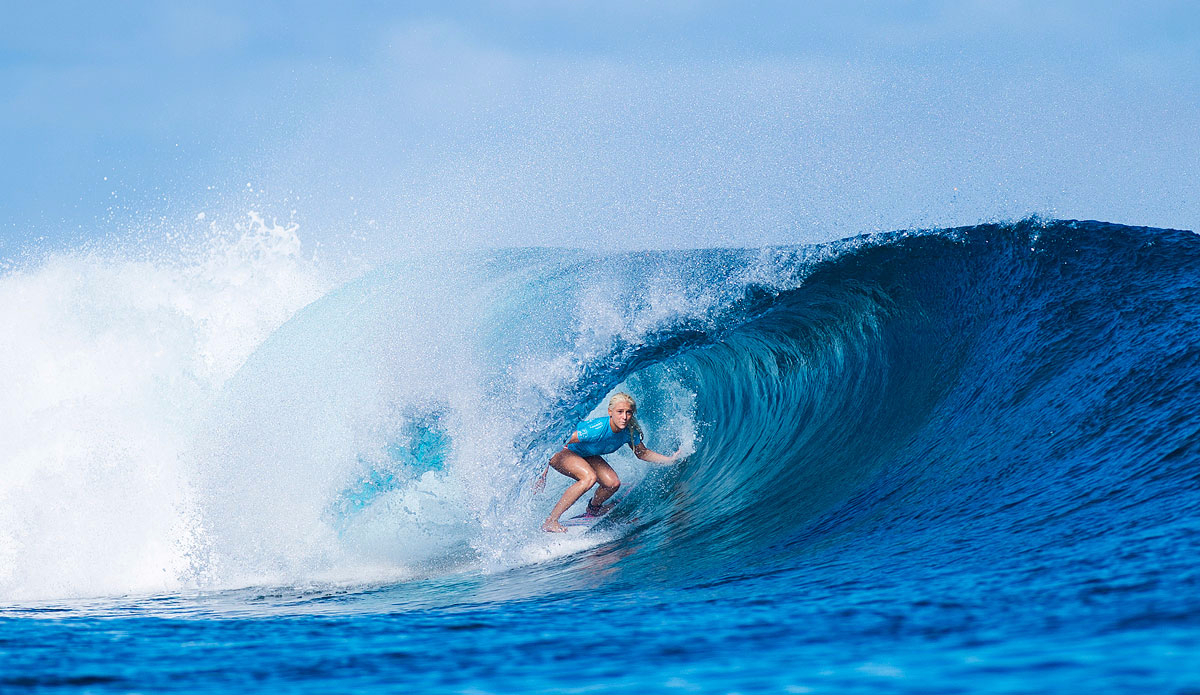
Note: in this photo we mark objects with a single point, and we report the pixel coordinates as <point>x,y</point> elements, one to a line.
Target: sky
<point>378,127</point>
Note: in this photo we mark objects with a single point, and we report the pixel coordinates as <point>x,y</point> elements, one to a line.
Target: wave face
<point>992,401</point>
<point>982,441</point>
<point>998,397</point>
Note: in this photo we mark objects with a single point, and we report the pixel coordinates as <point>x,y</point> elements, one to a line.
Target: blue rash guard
<point>596,438</point>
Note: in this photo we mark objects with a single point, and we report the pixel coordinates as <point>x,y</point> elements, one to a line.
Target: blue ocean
<point>933,461</point>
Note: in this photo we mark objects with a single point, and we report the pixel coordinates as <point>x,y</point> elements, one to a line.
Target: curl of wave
<point>986,396</point>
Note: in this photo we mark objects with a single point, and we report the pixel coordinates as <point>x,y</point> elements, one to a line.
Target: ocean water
<point>936,461</point>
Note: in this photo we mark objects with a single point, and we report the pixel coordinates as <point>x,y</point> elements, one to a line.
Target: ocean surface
<point>936,461</point>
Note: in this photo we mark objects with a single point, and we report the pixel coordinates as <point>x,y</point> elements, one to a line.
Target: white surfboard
<point>578,525</point>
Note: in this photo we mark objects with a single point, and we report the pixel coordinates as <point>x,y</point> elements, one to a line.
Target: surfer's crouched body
<point>581,458</point>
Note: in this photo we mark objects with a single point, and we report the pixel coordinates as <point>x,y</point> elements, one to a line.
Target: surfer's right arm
<point>648,455</point>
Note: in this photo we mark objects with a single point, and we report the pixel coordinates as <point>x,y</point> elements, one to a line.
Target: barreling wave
<point>978,393</point>
<point>985,396</point>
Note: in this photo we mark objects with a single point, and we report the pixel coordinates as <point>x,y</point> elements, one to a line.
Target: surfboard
<point>580,524</point>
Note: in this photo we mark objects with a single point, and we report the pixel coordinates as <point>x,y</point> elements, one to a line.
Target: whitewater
<point>944,460</point>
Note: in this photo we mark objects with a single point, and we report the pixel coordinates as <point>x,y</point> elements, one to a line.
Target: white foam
<point>184,424</point>
<point>108,363</point>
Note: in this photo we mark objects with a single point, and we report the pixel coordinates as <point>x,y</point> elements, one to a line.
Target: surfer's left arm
<point>645,454</point>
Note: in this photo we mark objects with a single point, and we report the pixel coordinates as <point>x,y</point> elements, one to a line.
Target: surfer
<point>580,458</point>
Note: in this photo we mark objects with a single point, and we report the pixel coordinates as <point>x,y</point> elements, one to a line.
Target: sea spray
<point>108,364</point>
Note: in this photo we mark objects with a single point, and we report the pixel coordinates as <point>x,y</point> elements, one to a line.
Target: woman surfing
<point>581,459</point>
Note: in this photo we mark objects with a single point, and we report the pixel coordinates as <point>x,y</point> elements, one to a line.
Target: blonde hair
<point>634,426</point>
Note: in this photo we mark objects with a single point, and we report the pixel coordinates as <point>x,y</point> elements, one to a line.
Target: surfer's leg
<point>573,465</point>
<point>609,483</point>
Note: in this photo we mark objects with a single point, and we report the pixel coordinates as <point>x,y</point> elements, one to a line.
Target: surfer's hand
<point>539,483</point>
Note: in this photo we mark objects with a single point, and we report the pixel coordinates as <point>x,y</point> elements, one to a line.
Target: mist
<point>525,124</point>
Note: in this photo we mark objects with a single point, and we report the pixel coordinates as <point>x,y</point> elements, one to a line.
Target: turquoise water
<point>927,462</point>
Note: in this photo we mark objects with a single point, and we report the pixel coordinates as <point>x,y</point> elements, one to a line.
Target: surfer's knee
<point>613,483</point>
<point>588,478</point>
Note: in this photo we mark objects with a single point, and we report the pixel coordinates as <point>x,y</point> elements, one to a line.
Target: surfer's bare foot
<point>553,527</point>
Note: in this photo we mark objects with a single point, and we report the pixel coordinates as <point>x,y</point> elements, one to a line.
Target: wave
<point>971,393</point>
<point>962,392</point>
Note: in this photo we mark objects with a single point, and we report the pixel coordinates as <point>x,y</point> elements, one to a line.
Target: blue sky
<point>381,126</point>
